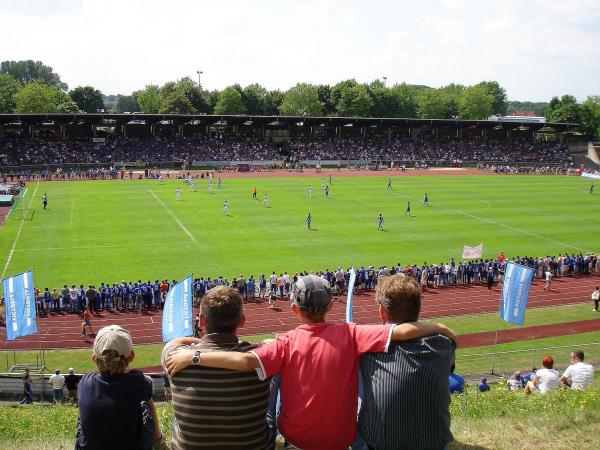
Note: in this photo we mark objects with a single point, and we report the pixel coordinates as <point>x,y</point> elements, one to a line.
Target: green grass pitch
<point>107,231</point>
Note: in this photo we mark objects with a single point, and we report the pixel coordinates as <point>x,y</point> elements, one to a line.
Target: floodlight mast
<point>199,72</point>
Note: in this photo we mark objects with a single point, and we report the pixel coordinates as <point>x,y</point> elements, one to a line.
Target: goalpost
<point>19,209</point>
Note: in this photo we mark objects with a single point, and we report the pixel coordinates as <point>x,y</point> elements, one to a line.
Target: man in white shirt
<point>596,298</point>
<point>579,374</point>
<point>58,383</point>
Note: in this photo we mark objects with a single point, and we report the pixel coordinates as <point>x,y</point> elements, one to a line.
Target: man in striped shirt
<point>406,396</point>
<point>217,408</point>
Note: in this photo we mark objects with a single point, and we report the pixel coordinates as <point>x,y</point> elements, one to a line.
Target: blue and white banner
<point>20,305</point>
<point>515,290</point>
<point>594,175</point>
<point>351,282</point>
<point>177,312</point>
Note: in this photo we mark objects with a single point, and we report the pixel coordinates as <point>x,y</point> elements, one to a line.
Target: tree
<point>498,93</point>
<point>127,103</point>
<point>404,100</point>
<point>537,108</point>
<point>383,100</point>
<point>253,98</point>
<point>301,100</point>
<point>563,110</point>
<point>354,101</point>
<point>176,102</point>
<point>37,98</point>
<point>451,94</point>
<point>149,99</point>
<point>433,104</point>
<point>28,71</point>
<point>87,98</point>
<point>336,92</point>
<point>475,103</point>
<point>9,86</point>
<point>230,102</point>
<point>590,117</point>
<point>211,98</point>
<point>273,101</point>
<point>324,94</point>
<point>65,104</point>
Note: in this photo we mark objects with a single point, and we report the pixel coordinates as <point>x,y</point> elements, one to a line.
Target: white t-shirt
<point>57,381</point>
<point>596,295</point>
<point>548,379</point>
<point>581,375</point>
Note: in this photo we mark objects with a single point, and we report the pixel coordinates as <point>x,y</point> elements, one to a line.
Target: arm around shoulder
<point>413,330</point>
<point>242,362</point>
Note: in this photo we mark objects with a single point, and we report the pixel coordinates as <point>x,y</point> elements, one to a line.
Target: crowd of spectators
<point>18,151</point>
<point>140,295</point>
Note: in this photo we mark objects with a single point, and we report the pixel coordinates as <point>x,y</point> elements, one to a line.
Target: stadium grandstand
<point>30,140</point>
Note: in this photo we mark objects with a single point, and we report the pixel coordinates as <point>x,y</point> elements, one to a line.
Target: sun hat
<point>113,337</point>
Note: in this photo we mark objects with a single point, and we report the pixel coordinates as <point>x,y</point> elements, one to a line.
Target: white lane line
<point>182,226</point>
<point>12,250</point>
<point>93,247</point>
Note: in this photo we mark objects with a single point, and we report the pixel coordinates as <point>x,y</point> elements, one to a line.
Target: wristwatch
<point>196,358</point>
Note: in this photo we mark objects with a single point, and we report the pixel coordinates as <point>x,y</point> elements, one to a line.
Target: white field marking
<point>93,247</point>
<point>71,216</point>
<point>493,222</point>
<point>12,250</point>
<point>185,230</point>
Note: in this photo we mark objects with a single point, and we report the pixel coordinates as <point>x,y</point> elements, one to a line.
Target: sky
<point>535,49</point>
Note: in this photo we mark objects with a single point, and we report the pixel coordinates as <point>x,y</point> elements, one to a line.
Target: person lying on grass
<point>318,366</point>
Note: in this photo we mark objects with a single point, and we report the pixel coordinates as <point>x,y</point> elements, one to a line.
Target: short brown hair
<point>111,363</point>
<point>400,297</point>
<point>222,308</point>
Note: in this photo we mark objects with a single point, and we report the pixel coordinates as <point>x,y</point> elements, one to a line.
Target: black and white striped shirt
<point>406,396</point>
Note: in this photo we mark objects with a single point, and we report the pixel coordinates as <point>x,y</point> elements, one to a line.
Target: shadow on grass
<point>460,446</point>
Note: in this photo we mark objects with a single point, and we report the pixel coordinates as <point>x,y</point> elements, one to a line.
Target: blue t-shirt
<point>109,410</point>
<point>457,384</point>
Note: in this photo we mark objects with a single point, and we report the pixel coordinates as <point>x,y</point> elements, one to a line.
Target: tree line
<point>33,87</point>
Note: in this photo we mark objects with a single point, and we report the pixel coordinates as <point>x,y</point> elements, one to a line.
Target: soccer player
<point>389,183</point>
<point>225,208</point>
<point>210,185</point>
<point>322,183</point>
<point>219,183</point>
<point>407,212</point>
<point>45,200</point>
<point>330,179</point>
<point>326,191</point>
<point>426,199</point>
<point>308,221</point>
<point>178,194</point>
<point>591,189</point>
<point>309,191</point>
<point>159,178</point>
<point>266,201</point>
<point>380,222</point>
<point>254,193</point>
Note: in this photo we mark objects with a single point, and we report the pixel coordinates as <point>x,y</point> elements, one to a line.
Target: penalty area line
<point>181,225</point>
<point>12,250</point>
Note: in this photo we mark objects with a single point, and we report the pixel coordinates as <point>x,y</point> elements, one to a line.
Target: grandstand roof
<point>275,121</point>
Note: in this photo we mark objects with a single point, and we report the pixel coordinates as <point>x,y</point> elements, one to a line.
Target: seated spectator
<point>232,411</point>
<point>406,397</point>
<point>456,382</point>
<point>578,375</point>
<point>318,366</point>
<point>483,386</point>
<point>544,379</point>
<point>116,410</point>
<point>514,382</point>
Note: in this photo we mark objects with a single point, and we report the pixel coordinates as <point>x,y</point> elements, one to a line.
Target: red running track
<point>63,330</point>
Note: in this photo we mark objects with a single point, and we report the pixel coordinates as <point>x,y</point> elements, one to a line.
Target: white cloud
<point>534,49</point>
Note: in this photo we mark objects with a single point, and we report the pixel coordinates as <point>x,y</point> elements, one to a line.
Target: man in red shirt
<point>318,366</point>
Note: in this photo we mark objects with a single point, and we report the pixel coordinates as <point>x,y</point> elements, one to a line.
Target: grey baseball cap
<point>311,291</point>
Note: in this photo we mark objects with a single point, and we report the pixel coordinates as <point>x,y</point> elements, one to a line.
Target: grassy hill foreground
<point>498,419</point>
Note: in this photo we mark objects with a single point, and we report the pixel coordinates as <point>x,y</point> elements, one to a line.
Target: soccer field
<point>106,231</point>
